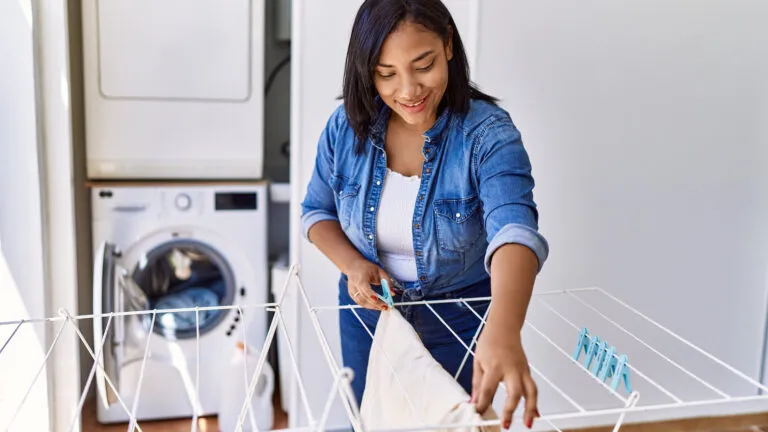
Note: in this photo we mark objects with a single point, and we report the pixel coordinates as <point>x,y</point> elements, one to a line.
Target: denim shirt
<point>476,194</point>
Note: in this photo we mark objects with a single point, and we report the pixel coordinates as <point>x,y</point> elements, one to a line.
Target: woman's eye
<point>383,75</point>
<point>427,67</point>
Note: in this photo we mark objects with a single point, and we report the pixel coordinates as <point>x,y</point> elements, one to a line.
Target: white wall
<point>646,125</point>
<point>62,181</point>
<point>37,269</point>
<point>21,242</point>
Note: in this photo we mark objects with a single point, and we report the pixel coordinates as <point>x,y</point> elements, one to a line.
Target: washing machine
<point>174,89</point>
<point>170,248</point>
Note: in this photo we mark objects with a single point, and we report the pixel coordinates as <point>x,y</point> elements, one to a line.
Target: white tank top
<point>394,222</point>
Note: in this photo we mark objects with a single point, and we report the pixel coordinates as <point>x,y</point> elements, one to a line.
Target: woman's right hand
<point>361,274</point>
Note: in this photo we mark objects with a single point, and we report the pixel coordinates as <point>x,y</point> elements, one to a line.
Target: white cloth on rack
<point>406,387</point>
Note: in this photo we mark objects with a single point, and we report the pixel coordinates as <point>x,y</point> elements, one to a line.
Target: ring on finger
<point>356,294</point>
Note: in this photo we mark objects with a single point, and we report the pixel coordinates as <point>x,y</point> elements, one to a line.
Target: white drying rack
<point>613,404</point>
<point>550,329</point>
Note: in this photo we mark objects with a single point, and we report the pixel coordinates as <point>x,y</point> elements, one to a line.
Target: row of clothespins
<point>602,361</point>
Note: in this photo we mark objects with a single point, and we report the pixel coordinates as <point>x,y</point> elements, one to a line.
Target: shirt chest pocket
<point>346,191</point>
<point>459,223</point>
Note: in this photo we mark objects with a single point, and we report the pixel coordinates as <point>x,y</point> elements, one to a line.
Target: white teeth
<point>415,104</point>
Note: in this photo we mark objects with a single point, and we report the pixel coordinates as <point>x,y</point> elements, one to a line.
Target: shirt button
<point>372,210</point>
<point>421,197</point>
<point>426,150</point>
<point>370,236</point>
<point>416,226</point>
<point>458,215</point>
<point>428,170</point>
<point>418,253</point>
<point>340,193</point>
<point>378,182</point>
<point>423,278</point>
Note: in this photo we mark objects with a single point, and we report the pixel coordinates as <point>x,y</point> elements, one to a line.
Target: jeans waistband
<point>413,291</point>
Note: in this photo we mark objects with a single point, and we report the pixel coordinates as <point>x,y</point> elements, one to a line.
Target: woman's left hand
<point>499,357</point>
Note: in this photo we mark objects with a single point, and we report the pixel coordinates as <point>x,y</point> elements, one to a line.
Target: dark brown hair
<point>375,20</point>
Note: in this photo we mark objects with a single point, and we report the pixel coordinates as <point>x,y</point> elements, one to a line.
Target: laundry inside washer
<point>181,275</point>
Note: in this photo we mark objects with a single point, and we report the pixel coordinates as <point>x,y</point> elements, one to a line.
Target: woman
<point>423,181</point>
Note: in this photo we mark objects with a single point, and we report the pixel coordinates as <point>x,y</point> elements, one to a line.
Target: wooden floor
<point>205,424</point>
<point>747,423</point>
<point>751,423</point>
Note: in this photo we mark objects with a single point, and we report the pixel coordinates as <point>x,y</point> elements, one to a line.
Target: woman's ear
<point>449,44</point>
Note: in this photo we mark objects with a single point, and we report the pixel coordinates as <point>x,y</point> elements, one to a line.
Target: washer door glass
<point>178,276</point>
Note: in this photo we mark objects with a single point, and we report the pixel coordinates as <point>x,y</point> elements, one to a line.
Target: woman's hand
<point>361,273</point>
<point>499,357</point>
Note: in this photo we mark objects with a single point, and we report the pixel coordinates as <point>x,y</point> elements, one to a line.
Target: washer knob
<point>183,202</point>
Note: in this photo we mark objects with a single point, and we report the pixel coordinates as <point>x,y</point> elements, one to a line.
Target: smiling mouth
<point>415,104</point>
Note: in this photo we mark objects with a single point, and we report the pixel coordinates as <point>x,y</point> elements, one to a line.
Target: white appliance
<point>176,246</point>
<point>174,89</point>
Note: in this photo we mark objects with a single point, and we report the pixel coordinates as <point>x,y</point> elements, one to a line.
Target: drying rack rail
<point>640,369</point>
<point>10,332</point>
<point>676,376</point>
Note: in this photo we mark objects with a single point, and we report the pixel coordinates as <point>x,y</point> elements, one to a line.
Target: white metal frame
<point>629,404</point>
<point>341,388</point>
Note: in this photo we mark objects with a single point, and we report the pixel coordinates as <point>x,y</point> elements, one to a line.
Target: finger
<point>488,387</point>
<point>514,393</point>
<point>477,379</point>
<point>385,276</point>
<point>374,279</point>
<point>371,298</point>
<point>531,394</point>
<point>363,295</point>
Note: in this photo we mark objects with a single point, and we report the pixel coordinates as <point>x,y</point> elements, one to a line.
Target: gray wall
<point>22,269</point>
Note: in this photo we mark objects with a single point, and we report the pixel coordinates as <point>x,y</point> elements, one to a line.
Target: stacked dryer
<point>173,88</point>
<point>174,148</point>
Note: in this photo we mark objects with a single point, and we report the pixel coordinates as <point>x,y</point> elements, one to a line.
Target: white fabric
<point>433,398</point>
<point>394,225</point>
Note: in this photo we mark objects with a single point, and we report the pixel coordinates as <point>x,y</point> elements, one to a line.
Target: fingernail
<point>529,423</point>
<point>507,423</point>
<point>374,297</point>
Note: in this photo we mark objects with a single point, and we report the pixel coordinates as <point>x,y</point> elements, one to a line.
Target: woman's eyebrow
<point>419,57</point>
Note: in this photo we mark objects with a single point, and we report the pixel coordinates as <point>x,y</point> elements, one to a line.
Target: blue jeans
<point>441,343</point>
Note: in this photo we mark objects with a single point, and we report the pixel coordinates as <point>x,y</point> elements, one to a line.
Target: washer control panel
<point>183,202</point>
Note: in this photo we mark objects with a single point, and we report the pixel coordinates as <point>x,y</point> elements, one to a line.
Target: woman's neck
<point>418,129</point>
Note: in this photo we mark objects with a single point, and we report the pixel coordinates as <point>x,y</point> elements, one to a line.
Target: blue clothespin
<point>601,360</point>
<point>600,350</point>
<point>387,297</point>
<point>592,351</point>
<point>609,364</point>
<point>581,343</point>
<point>621,374</point>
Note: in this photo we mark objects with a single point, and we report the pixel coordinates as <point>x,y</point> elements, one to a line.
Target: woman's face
<point>412,73</point>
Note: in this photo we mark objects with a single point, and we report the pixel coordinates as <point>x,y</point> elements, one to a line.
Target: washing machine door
<point>107,333</point>
<point>180,273</point>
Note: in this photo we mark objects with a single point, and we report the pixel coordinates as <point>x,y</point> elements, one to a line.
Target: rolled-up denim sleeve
<point>506,185</point>
<point>319,202</point>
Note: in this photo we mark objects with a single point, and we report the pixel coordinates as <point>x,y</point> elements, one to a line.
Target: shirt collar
<point>379,126</point>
